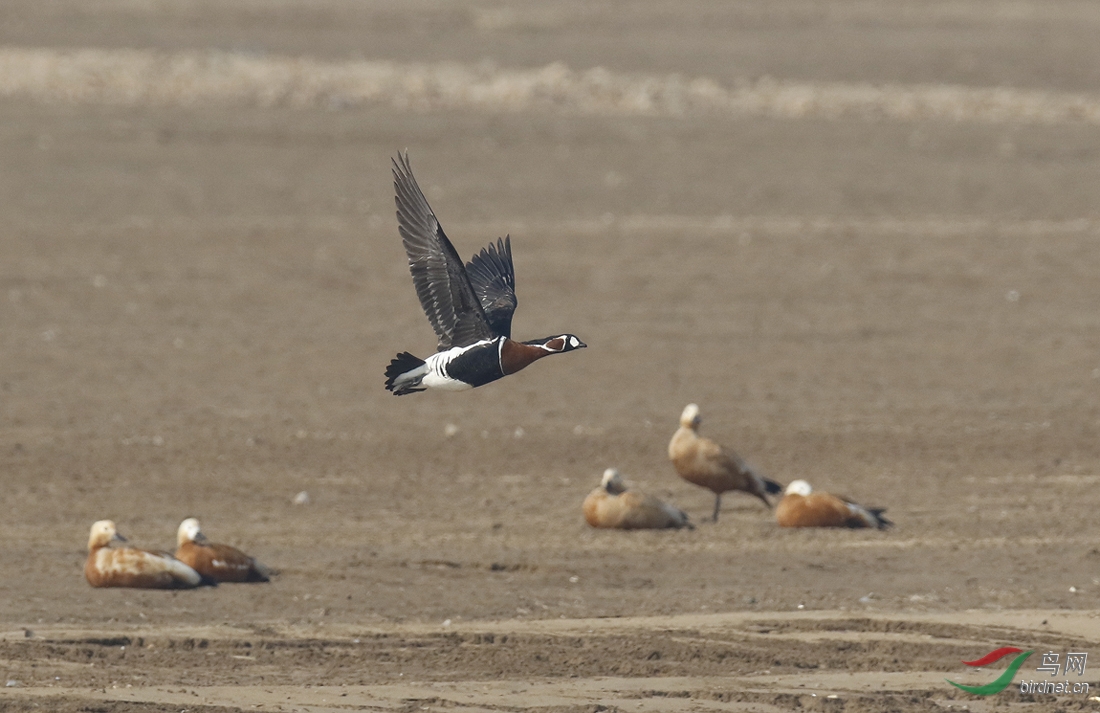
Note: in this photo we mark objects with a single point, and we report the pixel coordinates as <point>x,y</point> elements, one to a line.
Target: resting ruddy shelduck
<point>469,306</point>
<point>802,507</point>
<point>130,567</point>
<point>613,506</point>
<point>221,563</point>
<point>703,462</point>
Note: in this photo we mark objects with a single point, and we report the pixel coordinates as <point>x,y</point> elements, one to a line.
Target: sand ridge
<point>893,302</point>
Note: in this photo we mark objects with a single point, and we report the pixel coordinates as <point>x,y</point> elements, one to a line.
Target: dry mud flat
<point>820,661</point>
<point>867,279</point>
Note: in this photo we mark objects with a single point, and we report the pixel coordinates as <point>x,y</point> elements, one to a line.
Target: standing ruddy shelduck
<point>612,505</point>
<point>221,563</point>
<point>130,567</point>
<point>703,462</point>
<point>801,507</point>
<point>469,306</point>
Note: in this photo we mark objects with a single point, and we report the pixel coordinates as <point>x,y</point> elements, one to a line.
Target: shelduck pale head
<point>798,487</point>
<point>612,482</point>
<point>189,531</point>
<point>103,534</point>
<point>690,418</point>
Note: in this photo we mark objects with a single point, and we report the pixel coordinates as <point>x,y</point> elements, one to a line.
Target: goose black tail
<point>772,487</point>
<point>401,364</point>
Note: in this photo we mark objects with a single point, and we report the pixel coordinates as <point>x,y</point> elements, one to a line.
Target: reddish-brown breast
<point>592,507</point>
<point>517,355</point>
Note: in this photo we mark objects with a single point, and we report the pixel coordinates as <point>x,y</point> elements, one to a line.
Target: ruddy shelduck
<point>130,567</point>
<point>802,507</point>
<point>612,505</point>
<point>703,462</point>
<point>221,563</point>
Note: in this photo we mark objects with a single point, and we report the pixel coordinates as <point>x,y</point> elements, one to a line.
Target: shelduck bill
<point>802,507</point>
<point>613,506</point>
<point>703,462</point>
<point>130,567</point>
<point>470,306</point>
<point>221,563</point>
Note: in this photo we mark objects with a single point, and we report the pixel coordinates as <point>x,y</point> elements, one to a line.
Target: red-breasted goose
<point>469,306</point>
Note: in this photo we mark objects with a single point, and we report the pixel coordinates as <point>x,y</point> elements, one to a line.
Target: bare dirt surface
<point>200,287</point>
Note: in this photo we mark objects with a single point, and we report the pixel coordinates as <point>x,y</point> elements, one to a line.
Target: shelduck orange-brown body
<point>108,566</point>
<point>221,563</point>
<point>802,507</point>
<point>612,505</point>
<point>470,306</point>
<point>703,462</point>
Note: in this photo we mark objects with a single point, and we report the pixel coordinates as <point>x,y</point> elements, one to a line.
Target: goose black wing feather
<point>438,274</point>
<point>493,276</point>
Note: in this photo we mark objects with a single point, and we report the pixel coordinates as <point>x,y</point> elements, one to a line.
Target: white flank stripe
<point>137,77</point>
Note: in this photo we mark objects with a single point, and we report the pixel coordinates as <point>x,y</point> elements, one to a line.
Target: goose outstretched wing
<point>494,280</point>
<point>438,274</point>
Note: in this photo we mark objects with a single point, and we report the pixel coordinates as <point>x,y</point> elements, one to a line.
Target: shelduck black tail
<point>881,521</point>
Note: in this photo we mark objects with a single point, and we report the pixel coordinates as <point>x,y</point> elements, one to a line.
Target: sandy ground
<point>199,296</point>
